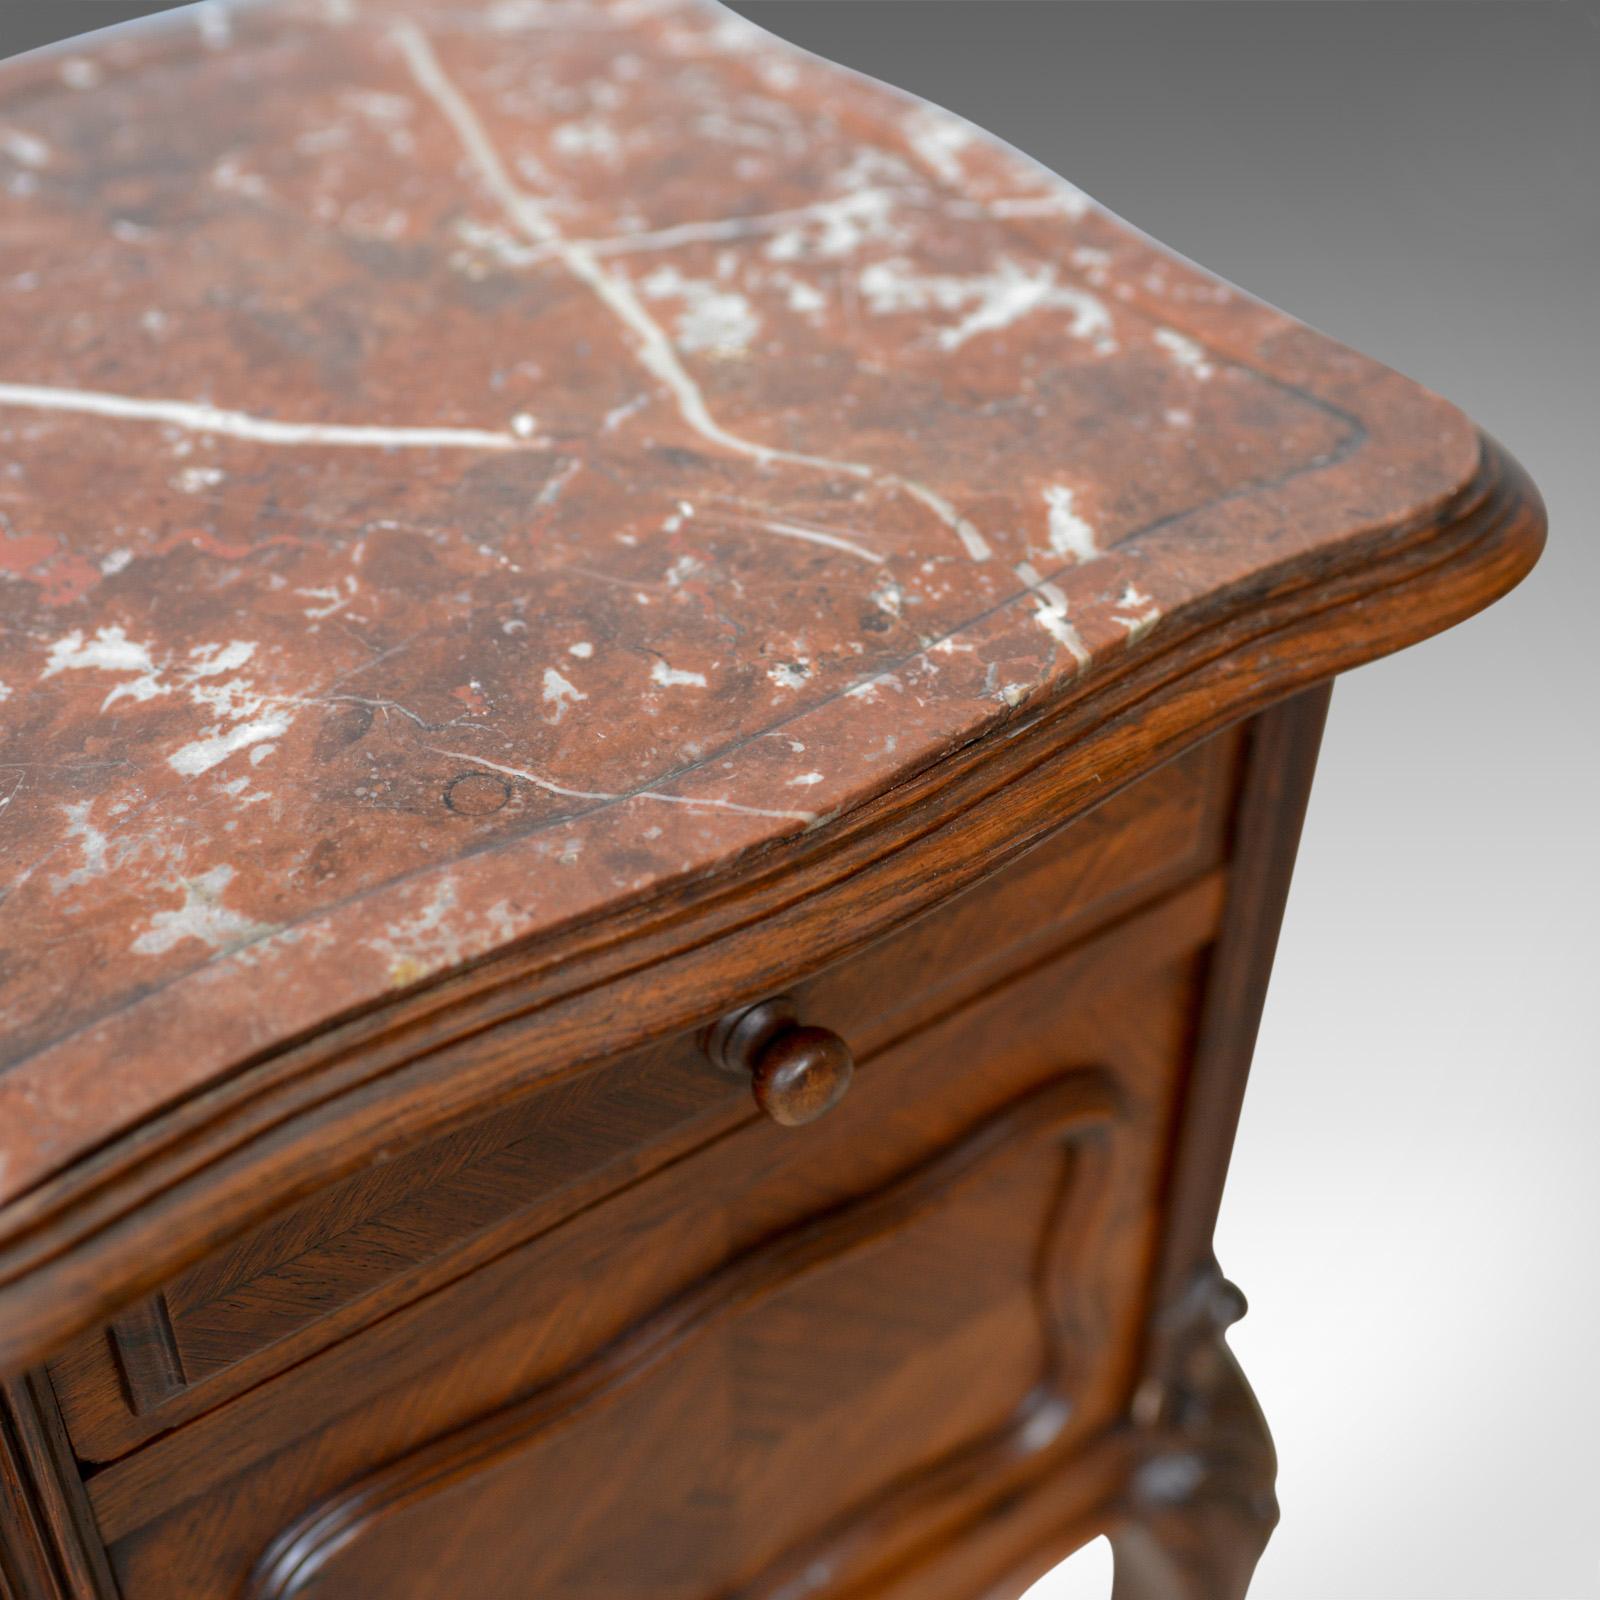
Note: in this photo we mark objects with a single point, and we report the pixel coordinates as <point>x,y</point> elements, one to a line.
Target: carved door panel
<point>880,1357</point>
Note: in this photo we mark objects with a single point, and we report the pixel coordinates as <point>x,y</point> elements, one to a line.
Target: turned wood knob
<point>796,1073</point>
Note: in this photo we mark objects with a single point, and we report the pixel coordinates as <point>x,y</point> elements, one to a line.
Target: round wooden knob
<point>803,1073</point>
<point>796,1073</point>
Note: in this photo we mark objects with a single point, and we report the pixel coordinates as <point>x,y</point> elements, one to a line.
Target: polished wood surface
<point>651,850</point>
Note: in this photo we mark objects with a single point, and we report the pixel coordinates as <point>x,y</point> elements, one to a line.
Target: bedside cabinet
<point>658,708</point>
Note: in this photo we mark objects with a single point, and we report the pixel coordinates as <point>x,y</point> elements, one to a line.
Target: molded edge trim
<point>121,1219</point>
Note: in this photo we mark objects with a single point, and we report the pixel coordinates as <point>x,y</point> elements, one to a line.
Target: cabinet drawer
<point>944,1274</point>
<point>363,1248</point>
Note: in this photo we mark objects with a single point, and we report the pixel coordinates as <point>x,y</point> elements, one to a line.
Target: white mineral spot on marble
<point>201,755</point>
<point>26,149</point>
<point>379,105</point>
<point>233,698</point>
<point>78,72</point>
<point>5,691</point>
<point>868,688</point>
<point>937,139</point>
<point>229,176</point>
<point>491,241</point>
<point>524,424</point>
<point>556,487</point>
<point>260,753</point>
<point>778,75</point>
<point>1184,351</point>
<point>202,916</point>
<point>801,297</point>
<point>722,127</point>
<point>560,693</point>
<point>791,674</point>
<point>1070,534</point>
<point>737,36</point>
<point>1014,693</point>
<point>683,569</point>
<point>111,650</point>
<point>582,649</point>
<point>318,141</point>
<point>534,170</point>
<point>115,561</point>
<point>1177,417</point>
<point>829,229</point>
<point>214,23</point>
<point>195,480</point>
<point>334,597</point>
<point>673,676</point>
<point>805,780</point>
<point>1064,199</point>
<point>677,518</point>
<point>425,940</point>
<point>1050,612</point>
<point>94,845</point>
<point>1137,612</point>
<point>617,415</point>
<point>714,319</point>
<point>214,658</point>
<point>592,138</point>
<point>996,299</point>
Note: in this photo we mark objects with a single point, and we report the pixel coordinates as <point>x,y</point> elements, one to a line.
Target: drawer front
<point>946,1274</point>
<point>373,1244</point>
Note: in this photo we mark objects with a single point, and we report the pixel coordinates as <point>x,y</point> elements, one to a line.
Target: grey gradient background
<point>1415,1197</point>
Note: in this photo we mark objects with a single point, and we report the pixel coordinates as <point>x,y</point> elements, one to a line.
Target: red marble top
<point>466,466</point>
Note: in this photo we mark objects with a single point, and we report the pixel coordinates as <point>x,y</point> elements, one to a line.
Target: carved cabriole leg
<point>1201,1507</point>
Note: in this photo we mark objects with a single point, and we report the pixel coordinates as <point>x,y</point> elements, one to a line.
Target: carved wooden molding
<point>1077,1111</point>
<point>147,1354</point>
<point>51,1550</point>
<point>303,1116</point>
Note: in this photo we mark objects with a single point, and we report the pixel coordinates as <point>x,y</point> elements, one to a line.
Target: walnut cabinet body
<point>665,703</point>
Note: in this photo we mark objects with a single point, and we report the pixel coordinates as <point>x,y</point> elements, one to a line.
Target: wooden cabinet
<point>665,702</point>
<point>632,1289</point>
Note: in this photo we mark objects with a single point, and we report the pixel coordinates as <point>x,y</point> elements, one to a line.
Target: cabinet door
<point>859,1369</point>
